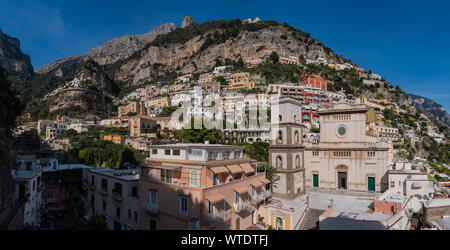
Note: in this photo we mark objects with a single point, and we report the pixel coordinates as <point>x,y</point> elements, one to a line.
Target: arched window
<point>280,136</point>
<point>297,161</point>
<point>296,137</point>
<point>279,162</point>
<point>280,118</point>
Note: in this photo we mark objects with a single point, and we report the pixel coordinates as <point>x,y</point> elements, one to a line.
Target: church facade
<point>348,155</point>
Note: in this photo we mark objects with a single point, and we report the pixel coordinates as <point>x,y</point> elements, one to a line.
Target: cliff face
<point>203,50</point>
<point>111,51</point>
<point>430,108</point>
<point>11,57</point>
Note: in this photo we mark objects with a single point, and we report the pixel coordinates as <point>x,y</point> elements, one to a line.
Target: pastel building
<point>112,194</point>
<point>199,186</point>
<point>240,81</point>
<point>133,107</point>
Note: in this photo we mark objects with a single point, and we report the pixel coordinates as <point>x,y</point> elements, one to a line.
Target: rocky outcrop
<point>187,21</point>
<point>110,52</point>
<point>430,108</point>
<point>11,57</point>
<point>187,57</point>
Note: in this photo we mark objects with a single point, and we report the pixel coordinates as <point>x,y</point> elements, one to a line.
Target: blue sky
<point>407,42</point>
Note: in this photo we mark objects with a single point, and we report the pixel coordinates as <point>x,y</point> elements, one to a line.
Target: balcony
<point>51,200</point>
<point>103,191</point>
<point>150,208</point>
<point>213,219</point>
<point>117,196</point>
<point>241,206</point>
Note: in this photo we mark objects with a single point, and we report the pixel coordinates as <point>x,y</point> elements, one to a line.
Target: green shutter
<point>371,184</point>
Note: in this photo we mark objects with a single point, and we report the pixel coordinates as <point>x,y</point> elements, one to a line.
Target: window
<point>212,156</point>
<point>392,184</point>
<point>280,136</point>
<point>154,151</point>
<point>176,152</point>
<point>225,155</point>
<point>167,152</point>
<point>49,195</point>
<point>253,191</point>
<point>215,179</point>
<point>297,137</point>
<point>210,208</point>
<point>34,185</point>
<point>184,205</point>
<point>135,216</point>
<point>92,180</point>
<point>342,153</point>
<point>129,214</point>
<point>279,162</point>
<point>371,154</point>
<point>195,178</point>
<point>196,152</point>
<point>134,192</point>
<point>104,205</point>
<point>118,212</point>
<point>297,161</point>
<point>169,176</point>
<point>153,197</point>
<point>342,130</point>
<point>236,197</point>
<point>104,185</point>
<point>315,153</point>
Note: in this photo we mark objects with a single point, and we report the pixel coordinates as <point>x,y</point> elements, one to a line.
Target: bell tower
<point>286,150</point>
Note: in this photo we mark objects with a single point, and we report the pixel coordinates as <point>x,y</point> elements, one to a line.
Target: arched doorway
<point>279,223</point>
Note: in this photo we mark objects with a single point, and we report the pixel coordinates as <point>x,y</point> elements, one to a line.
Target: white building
<point>29,186</point>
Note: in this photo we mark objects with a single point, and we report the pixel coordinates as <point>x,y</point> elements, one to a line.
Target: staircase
<point>311,220</point>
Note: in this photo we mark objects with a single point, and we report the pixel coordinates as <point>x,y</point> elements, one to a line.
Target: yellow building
<point>241,80</point>
<point>333,66</point>
<point>132,107</point>
<point>117,139</point>
<point>384,101</point>
<point>176,87</point>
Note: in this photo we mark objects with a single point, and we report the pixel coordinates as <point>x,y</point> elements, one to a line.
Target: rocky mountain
<point>430,108</point>
<point>110,52</point>
<point>11,57</point>
<point>199,47</point>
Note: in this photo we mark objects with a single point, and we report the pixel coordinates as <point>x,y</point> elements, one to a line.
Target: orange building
<point>200,186</point>
<point>313,80</point>
<point>117,139</point>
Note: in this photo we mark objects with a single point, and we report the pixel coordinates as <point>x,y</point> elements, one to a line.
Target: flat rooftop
<point>123,174</point>
<point>197,145</point>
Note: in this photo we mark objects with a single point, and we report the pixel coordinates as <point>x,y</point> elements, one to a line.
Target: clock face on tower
<point>342,130</point>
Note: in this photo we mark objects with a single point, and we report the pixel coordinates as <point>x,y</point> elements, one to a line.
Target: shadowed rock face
<point>11,57</point>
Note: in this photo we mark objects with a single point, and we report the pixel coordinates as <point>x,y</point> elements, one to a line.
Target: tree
<point>274,57</point>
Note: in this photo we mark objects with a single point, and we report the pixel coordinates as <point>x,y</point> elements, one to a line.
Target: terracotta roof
<point>214,198</point>
<point>235,169</point>
<point>253,228</point>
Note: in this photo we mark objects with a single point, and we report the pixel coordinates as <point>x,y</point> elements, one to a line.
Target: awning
<point>167,167</point>
<point>247,168</point>
<point>219,170</point>
<point>417,185</point>
<point>214,198</point>
<point>256,184</point>
<point>241,189</point>
<point>265,181</point>
<point>235,169</point>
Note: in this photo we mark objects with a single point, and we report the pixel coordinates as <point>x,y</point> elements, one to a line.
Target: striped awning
<point>265,181</point>
<point>214,198</point>
<point>241,189</point>
<point>219,170</point>
<point>247,168</point>
<point>256,184</point>
<point>235,169</point>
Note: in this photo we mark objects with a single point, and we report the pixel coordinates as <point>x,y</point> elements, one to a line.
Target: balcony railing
<point>240,206</point>
<point>117,196</point>
<point>103,191</point>
<point>151,208</point>
<point>213,219</point>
